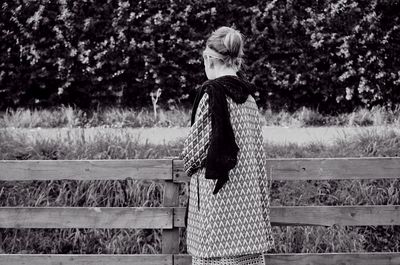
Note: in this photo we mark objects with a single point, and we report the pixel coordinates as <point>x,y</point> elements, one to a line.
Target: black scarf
<point>223,150</point>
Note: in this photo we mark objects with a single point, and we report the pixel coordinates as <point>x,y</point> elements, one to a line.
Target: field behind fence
<point>170,216</point>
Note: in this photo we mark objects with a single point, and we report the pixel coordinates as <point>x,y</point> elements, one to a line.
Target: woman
<point>228,213</point>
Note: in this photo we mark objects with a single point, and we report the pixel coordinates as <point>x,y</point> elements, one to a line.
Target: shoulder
<point>214,90</point>
<point>208,86</point>
<point>203,105</point>
<point>204,93</point>
<point>204,99</point>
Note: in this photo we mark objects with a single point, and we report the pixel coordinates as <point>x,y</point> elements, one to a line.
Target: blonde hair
<point>229,43</point>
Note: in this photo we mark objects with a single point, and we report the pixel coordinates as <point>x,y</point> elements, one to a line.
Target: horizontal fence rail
<point>170,217</point>
<point>89,259</point>
<point>168,169</point>
<point>382,258</point>
<point>379,258</point>
<point>86,217</point>
<point>322,168</point>
<point>137,169</point>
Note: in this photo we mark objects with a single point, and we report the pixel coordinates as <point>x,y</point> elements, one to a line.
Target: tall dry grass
<point>110,117</point>
<point>129,193</point>
<point>179,117</point>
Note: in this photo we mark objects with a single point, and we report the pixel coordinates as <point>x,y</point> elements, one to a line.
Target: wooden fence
<point>171,217</point>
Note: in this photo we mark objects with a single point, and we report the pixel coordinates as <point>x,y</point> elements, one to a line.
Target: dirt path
<point>280,135</point>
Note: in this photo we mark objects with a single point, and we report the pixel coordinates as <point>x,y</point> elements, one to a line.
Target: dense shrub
<point>330,55</point>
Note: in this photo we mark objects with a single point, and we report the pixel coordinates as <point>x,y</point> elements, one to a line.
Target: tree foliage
<point>332,55</point>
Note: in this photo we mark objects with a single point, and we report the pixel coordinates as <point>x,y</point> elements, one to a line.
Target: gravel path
<point>280,135</point>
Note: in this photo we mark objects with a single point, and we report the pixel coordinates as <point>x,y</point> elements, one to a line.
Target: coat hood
<point>235,87</point>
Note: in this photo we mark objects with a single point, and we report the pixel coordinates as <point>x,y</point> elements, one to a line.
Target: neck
<point>226,71</point>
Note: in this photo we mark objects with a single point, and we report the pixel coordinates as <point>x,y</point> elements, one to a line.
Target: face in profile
<point>209,64</point>
<point>208,68</point>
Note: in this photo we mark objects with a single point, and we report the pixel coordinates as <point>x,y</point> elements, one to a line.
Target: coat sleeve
<point>197,142</point>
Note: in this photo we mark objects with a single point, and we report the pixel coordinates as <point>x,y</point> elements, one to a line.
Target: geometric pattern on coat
<point>252,259</point>
<point>236,220</point>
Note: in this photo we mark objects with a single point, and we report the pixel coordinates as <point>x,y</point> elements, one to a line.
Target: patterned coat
<point>235,221</point>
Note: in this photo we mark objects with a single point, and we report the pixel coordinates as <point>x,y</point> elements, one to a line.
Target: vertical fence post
<point>170,237</point>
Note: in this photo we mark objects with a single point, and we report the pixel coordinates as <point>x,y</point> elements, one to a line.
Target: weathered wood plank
<point>179,175</point>
<point>87,259</point>
<point>179,216</point>
<point>326,215</point>
<point>138,169</point>
<point>322,168</point>
<point>368,258</point>
<point>376,258</point>
<point>170,237</point>
<point>86,217</point>
<point>335,168</point>
<point>169,217</point>
<point>182,259</point>
<point>282,169</point>
<point>339,215</point>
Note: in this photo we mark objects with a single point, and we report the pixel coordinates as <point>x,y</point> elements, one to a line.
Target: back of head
<point>229,43</point>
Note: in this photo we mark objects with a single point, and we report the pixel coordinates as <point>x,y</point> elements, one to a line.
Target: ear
<point>211,64</point>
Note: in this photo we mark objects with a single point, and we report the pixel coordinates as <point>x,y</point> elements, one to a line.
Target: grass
<point>180,117</point>
<point>111,117</point>
<point>129,193</point>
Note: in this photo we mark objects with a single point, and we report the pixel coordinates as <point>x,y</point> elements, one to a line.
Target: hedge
<point>329,55</point>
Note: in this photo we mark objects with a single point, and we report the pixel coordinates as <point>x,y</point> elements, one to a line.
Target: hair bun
<point>229,43</point>
<point>233,42</point>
